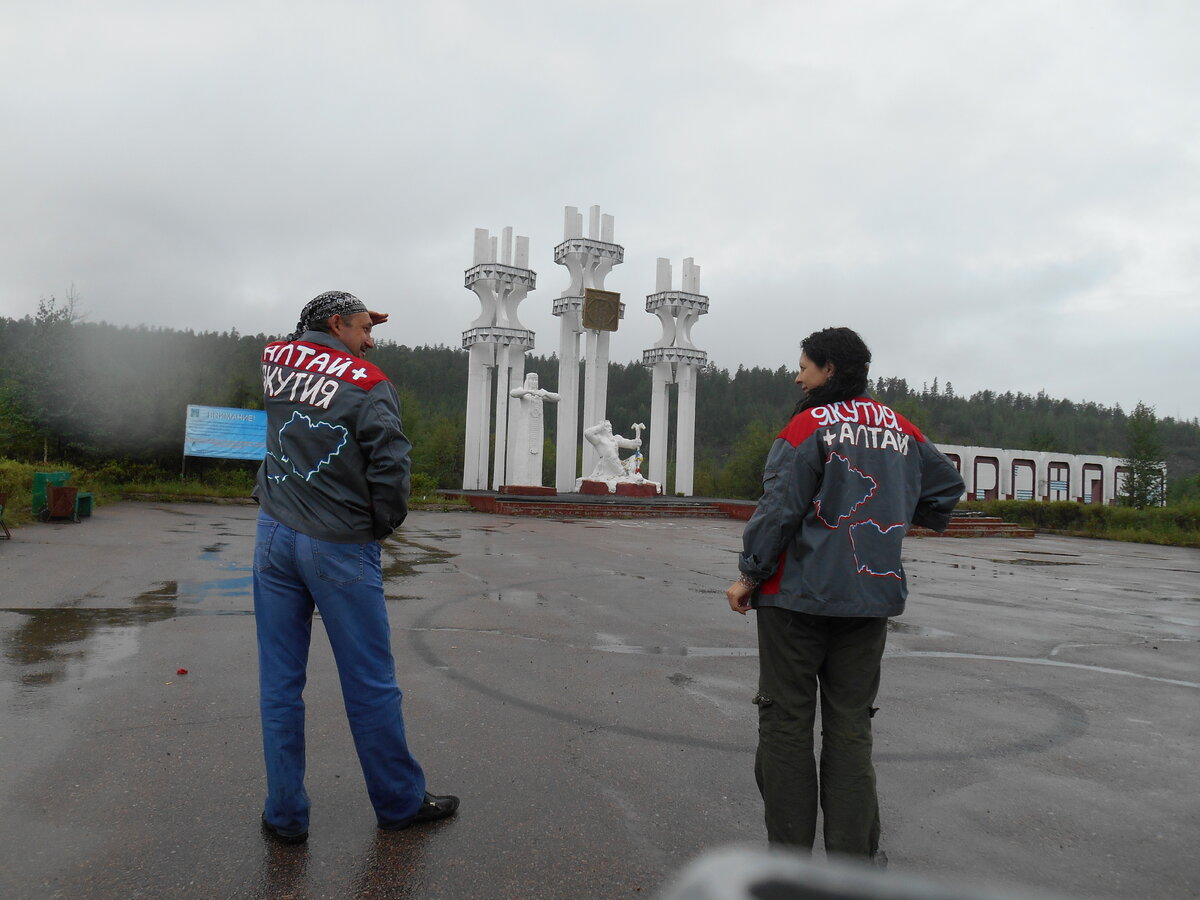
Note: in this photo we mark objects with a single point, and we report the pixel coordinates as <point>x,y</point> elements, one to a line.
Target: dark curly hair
<point>851,359</point>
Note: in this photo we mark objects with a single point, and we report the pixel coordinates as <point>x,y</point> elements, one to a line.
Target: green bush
<point>16,480</point>
<point>424,488</point>
<point>115,472</point>
<point>1175,525</point>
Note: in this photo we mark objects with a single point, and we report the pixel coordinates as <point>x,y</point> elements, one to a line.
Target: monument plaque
<point>601,309</point>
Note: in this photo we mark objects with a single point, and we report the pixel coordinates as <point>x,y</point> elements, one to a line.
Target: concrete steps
<point>977,526</point>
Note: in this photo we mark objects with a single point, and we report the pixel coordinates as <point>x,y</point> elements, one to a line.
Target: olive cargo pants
<point>797,653</point>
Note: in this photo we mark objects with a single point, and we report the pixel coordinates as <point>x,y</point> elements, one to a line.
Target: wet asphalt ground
<point>585,689</point>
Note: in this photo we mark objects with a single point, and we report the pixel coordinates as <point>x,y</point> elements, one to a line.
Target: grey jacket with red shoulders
<point>337,463</point>
<point>842,484</point>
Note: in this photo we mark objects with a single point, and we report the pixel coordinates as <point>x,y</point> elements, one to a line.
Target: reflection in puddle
<point>408,556</point>
<point>518,598</point>
<point>51,645</point>
<point>197,591</point>
<point>50,638</point>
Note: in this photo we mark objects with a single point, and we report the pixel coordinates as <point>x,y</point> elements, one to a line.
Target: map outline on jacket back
<point>316,374</point>
<point>860,423</point>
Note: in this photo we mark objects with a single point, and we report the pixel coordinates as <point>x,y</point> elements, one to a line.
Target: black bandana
<point>320,308</point>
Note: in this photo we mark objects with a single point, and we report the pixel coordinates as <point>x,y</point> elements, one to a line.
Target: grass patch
<point>1174,526</point>
<point>114,481</point>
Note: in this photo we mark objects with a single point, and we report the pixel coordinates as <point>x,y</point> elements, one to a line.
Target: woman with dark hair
<point>836,362</point>
<point>821,567</point>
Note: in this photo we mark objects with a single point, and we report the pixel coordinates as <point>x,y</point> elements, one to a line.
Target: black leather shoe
<point>282,836</point>
<point>432,808</point>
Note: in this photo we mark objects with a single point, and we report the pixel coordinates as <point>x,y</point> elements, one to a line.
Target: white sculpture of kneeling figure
<point>610,468</point>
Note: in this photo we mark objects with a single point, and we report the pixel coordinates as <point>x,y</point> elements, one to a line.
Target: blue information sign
<point>225,433</point>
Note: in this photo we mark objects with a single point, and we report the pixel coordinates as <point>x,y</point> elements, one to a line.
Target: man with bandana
<point>333,484</point>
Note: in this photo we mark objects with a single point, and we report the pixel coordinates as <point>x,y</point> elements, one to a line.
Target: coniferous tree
<point>1144,459</point>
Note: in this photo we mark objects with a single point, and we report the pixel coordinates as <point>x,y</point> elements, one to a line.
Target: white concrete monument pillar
<point>660,405</point>
<point>588,260</point>
<point>497,342</point>
<point>675,359</point>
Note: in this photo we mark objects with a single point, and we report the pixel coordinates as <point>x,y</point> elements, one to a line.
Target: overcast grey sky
<point>1002,195</point>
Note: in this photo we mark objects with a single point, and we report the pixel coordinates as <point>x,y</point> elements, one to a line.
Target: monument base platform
<point>528,490</point>
<point>604,505</point>
<point>649,489</point>
<point>594,487</point>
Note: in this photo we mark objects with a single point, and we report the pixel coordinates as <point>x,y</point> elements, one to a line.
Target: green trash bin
<point>43,480</point>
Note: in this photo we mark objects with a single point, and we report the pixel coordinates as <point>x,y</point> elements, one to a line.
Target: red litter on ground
<point>181,671</point>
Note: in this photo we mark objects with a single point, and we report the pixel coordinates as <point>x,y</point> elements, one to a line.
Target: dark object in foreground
<point>283,837</point>
<point>744,874</point>
<point>433,807</point>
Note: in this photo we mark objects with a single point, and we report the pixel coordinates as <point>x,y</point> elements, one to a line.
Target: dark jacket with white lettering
<point>337,460</point>
<point>843,483</point>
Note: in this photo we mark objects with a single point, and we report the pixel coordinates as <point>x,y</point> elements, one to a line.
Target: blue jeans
<point>294,573</point>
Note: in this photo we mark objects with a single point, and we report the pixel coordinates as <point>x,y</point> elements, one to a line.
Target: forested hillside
<point>88,392</point>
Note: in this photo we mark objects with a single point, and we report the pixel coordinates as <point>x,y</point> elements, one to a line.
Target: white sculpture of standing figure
<point>527,434</point>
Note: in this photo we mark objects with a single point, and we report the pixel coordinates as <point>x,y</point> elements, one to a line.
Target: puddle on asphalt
<point>213,549</point>
<point>71,641</point>
<point>1036,562</point>
<point>197,591</point>
<point>407,556</point>
<point>51,645</point>
<point>518,598</point>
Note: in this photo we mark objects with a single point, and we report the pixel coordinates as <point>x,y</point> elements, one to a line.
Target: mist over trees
<point>87,392</point>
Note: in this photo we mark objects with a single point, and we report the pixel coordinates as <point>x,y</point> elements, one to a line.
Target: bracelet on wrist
<point>749,582</point>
